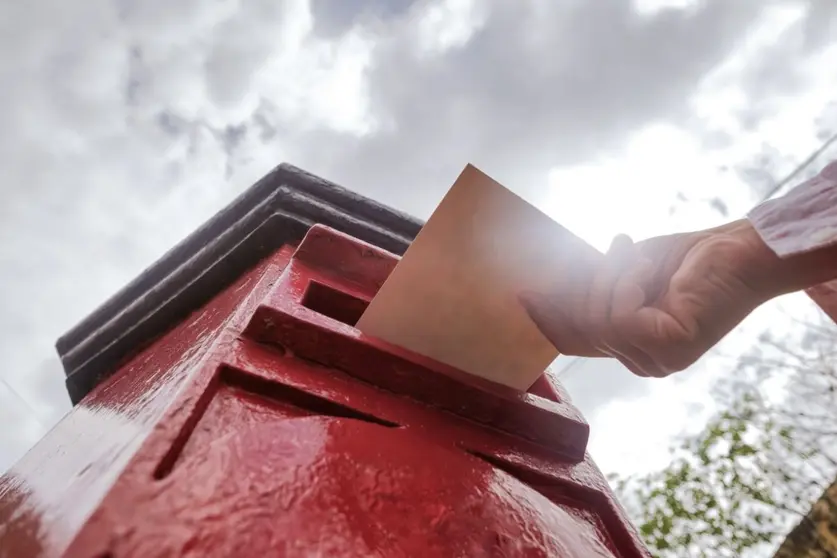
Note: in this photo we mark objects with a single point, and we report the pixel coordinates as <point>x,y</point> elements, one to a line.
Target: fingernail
<point>620,243</point>
<point>621,249</point>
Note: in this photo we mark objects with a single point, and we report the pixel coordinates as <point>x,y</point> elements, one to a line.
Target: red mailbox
<point>262,423</point>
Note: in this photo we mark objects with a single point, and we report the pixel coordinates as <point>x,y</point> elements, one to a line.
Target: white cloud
<point>664,180</point>
<point>127,124</point>
<point>649,8</point>
<point>640,192</point>
<point>449,24</point>
<point>23,427</point>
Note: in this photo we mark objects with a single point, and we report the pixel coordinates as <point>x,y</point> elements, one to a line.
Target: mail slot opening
<point>335,304</point>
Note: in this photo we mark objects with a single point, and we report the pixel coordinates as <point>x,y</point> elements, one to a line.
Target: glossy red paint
<point>47,496</point>
<point>266,425</point>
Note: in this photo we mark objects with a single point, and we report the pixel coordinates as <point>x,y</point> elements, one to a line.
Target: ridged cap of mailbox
<point>277,210</point>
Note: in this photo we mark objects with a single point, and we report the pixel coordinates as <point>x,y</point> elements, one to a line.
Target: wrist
<point>759,267</point>
<point>766,273</point>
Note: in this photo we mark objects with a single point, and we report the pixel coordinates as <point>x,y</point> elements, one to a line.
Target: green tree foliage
<point>739,485</point>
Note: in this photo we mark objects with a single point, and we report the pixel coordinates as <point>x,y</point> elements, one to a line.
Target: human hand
<point>660,304</point>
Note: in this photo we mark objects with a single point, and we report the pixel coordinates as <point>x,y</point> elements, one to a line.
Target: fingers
<point>561,316</point>
<point>627,300</point>
<point>655,336</point>
<point>597,318</point>
<point>599,298</point>
<point>609,313</point>
<point>628,296</point>
<point>557,326</point>
<point>572,291</point>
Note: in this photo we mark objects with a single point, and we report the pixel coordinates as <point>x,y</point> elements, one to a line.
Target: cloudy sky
<point>127,123</point>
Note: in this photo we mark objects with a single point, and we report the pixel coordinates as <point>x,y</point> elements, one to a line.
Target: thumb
<point>556,326</point>
<point>628,294</point>
<point>654,331</point>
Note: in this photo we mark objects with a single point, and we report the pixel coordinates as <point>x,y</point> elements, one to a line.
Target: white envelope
<point>454,295</point>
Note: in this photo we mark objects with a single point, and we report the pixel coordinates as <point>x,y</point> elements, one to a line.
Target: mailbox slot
<point>333,303</point>
<point>311,310</point>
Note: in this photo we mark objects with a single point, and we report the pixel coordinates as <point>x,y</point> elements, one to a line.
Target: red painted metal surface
<point>47,496</point>
<point>266,425</point>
